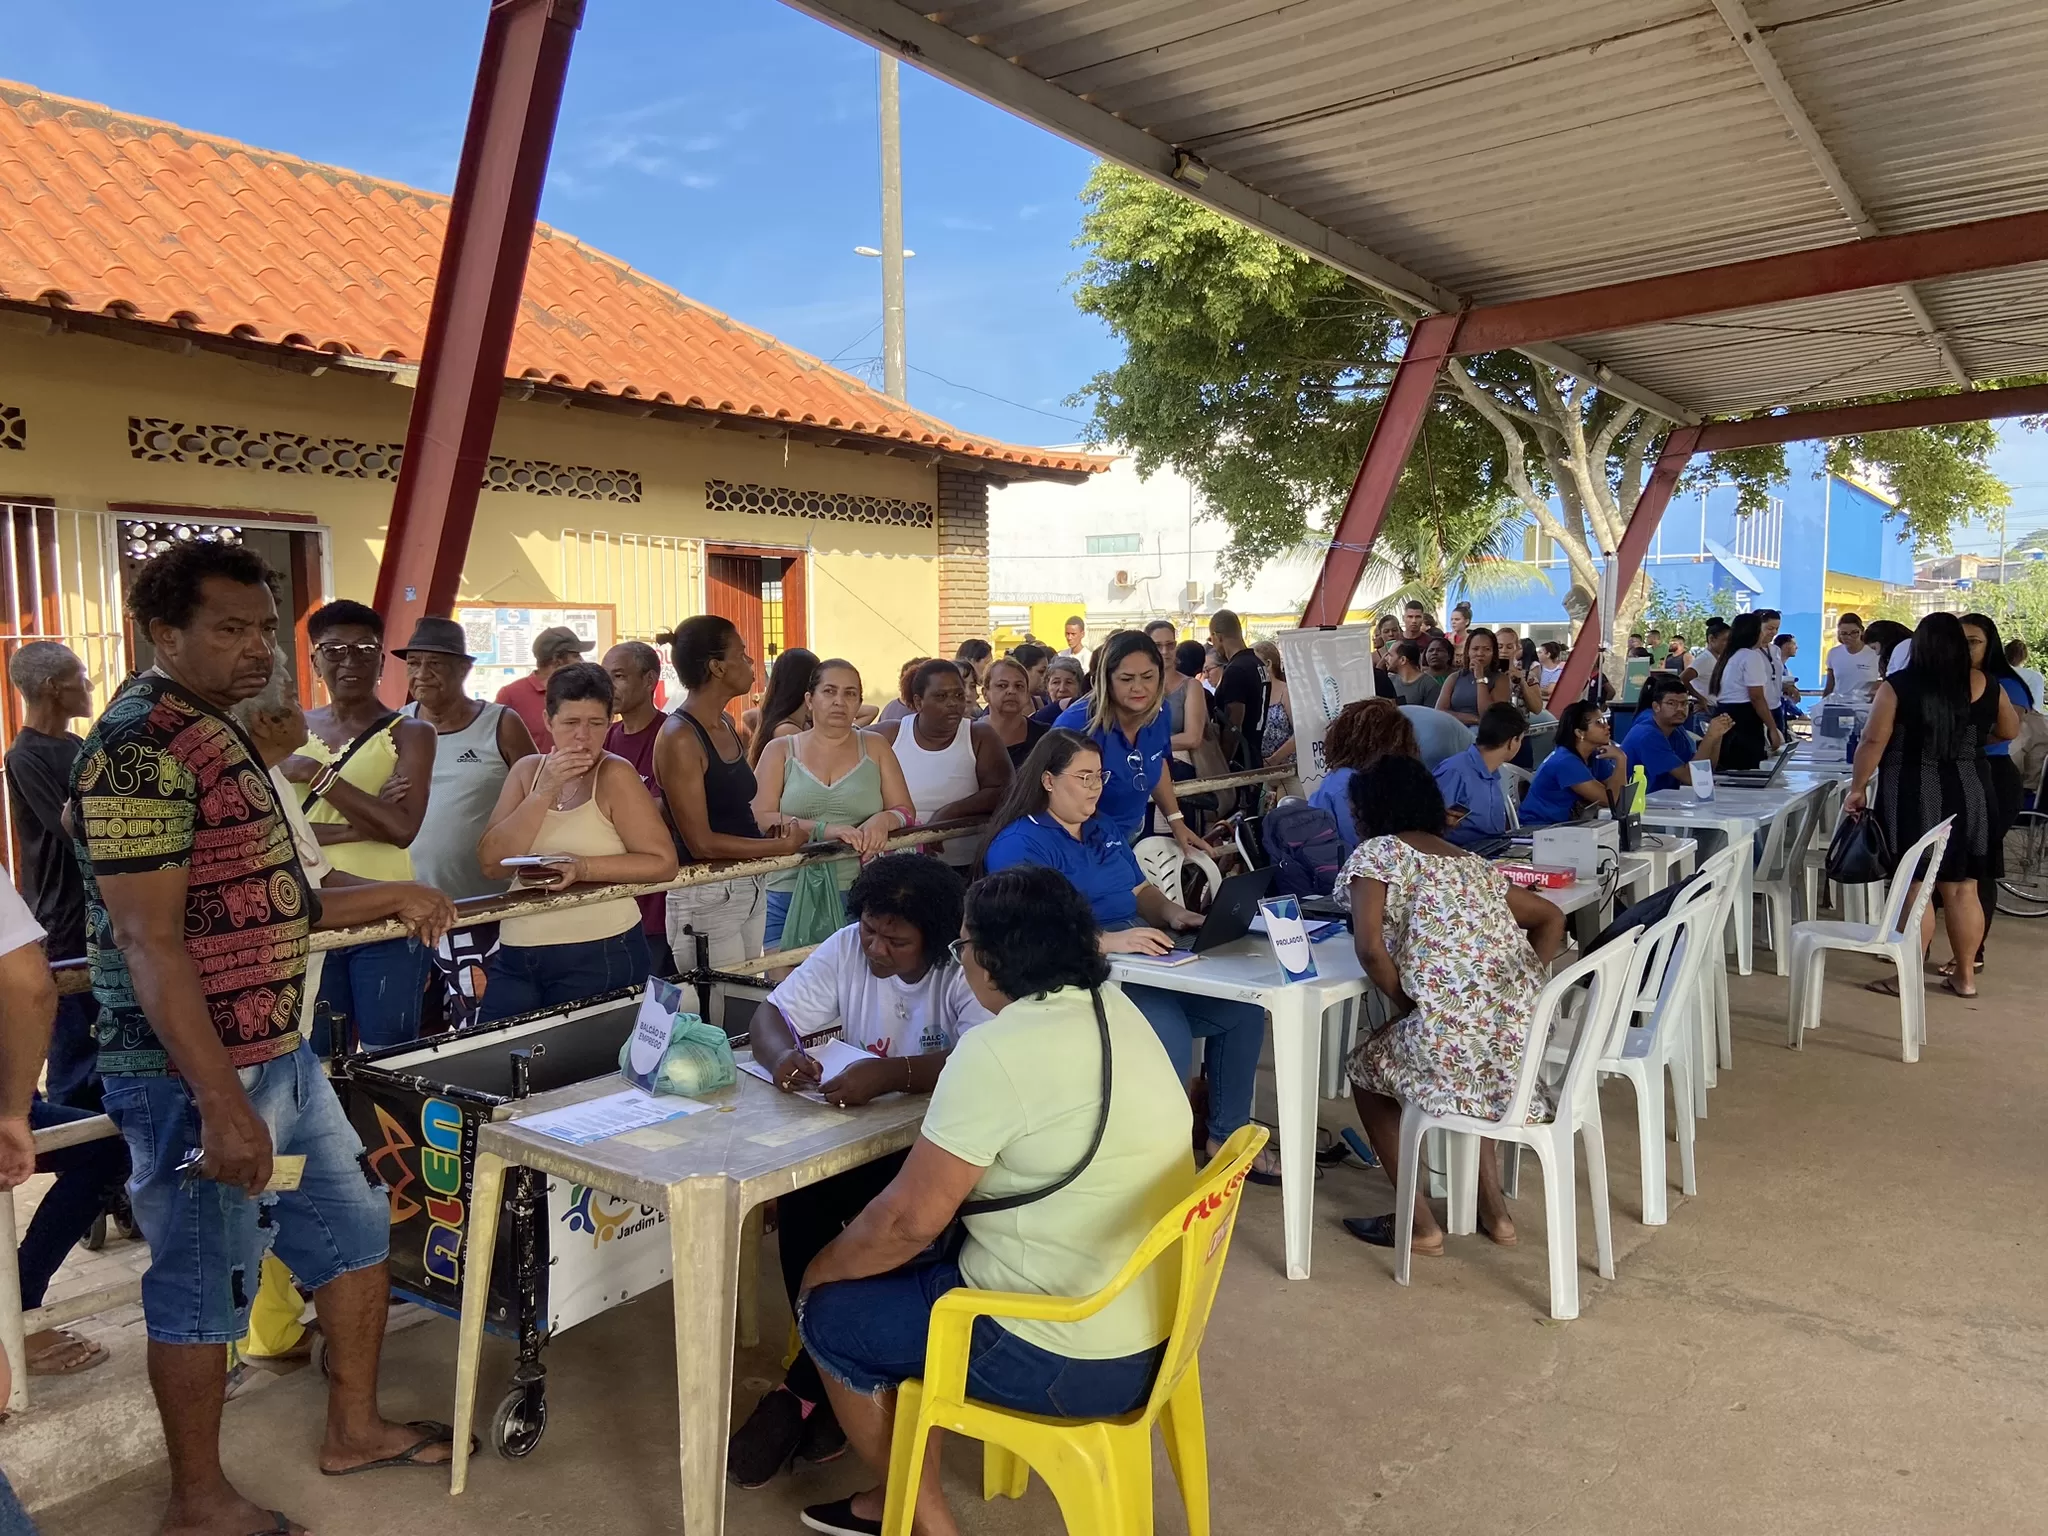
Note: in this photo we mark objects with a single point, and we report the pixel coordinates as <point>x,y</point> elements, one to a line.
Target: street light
<point>869,250</point>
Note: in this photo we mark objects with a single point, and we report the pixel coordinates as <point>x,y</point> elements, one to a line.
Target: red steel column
<point>1679,447</point>
<point>476,302</point>
<point>1386,452</point>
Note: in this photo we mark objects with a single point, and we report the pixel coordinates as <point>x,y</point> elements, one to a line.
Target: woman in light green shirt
<point>1015,1112</point>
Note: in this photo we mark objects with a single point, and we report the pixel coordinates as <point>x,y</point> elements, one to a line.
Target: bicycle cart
<point>565,1253</point>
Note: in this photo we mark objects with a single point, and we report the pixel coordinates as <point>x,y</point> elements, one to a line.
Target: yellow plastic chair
<point>1100,1470</point>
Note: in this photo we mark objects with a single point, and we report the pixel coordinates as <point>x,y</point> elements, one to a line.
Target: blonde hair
<point>1114,652</point>
<point>1269,652</point>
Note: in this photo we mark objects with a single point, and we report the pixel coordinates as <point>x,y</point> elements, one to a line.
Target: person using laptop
<point>1049,818</point>
<point>1475,804</point>
<point>1659,745</point>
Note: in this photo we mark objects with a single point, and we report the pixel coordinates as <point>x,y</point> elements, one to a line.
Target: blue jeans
<point>778,917</point>
<point>73,1076</point>
<point>869,1335</point>
<point>207,1240</point>
<point>89,1175</point>
<point>1239,1032</point>
<point>14,1520</point>
<point>522,978</point>
<point>377,988</point>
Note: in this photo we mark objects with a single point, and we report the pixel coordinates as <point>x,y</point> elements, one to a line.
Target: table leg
<point>480,1246</point>
<point>1297,1040</point>
<point>704,1230</point>
<point>1745,902</point>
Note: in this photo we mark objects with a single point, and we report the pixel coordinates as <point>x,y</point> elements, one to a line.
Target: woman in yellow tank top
<point>365,816</point>
<point>586,811</point>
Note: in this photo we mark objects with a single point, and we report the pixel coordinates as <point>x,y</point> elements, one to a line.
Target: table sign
<point>1290,937</point>
<point>1702,779</point>
<point>658,1008</point>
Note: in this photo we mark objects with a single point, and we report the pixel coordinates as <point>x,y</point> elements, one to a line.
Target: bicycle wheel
<point>2023,890</point>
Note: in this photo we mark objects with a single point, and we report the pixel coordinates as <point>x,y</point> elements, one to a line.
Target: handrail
<point>72,976</point>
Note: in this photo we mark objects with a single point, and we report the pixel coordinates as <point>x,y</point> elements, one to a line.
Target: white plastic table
<point>1661,857</point>
<point>1246,972</point>
<point>1734,813</point>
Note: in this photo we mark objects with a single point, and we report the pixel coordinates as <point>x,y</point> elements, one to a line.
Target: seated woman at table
<point>585,810</point>
<point>889,984</point>
<point>1658,742</point>
<point>1016,1112</point>
<point>1050,818</point>
<point>1126,718</point>
<point>1585,769</point>
<point>1461,954</point>
<point>1364,731</point>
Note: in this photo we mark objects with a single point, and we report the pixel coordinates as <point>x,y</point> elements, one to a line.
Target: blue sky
<point>727,148</point>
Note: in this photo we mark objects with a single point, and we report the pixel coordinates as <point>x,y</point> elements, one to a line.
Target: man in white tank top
<point>953,766</point>
<point>477,743</point>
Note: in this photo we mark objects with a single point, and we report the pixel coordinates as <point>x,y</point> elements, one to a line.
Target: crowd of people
<point>188,845</point>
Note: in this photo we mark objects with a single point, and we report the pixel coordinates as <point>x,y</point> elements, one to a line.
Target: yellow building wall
<point>873,589</point>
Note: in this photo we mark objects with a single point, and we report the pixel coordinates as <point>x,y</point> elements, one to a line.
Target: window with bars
<point>1759,536</point>
<point>1115,543</point>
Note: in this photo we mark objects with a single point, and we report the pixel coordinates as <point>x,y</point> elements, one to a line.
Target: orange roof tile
<point>152,222</point>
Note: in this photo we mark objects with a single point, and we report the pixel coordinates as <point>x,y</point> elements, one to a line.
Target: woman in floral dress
<point>1462,954</point>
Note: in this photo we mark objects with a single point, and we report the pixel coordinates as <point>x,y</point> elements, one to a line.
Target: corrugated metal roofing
<point>1505,149</point>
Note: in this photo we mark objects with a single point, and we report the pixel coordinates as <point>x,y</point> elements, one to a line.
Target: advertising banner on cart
<point>1326,669</point>
<point>602,1251</point>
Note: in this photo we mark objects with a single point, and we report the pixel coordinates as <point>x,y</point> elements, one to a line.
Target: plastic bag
<point>673,1051</point>
<point>817,909</point>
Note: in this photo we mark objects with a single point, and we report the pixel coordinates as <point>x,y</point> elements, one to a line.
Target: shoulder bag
<point>370,733</point>
<point>1859,852</point>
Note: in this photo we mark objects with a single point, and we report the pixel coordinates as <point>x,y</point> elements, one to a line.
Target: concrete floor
<point>1846,1331</point>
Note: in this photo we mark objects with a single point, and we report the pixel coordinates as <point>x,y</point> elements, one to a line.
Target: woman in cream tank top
<point>586,811</point>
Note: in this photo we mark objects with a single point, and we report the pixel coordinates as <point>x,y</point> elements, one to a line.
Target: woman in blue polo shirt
<point>1051,818</point>
<point>1586,768</point>
<point>1126,720</point>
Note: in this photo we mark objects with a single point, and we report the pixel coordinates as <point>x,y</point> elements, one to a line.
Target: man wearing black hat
<point>553,649</point>
<point>475,744</point>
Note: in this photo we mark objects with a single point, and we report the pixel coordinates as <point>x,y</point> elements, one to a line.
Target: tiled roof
<point>150,222</point>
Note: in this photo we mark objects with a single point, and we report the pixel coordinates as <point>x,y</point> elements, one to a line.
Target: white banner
<point>1326,669</point>
<point>602,1252</point>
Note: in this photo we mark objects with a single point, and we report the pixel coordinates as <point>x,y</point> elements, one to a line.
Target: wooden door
<point>763,592</point>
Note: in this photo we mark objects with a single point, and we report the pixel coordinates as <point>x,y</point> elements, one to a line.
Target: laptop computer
<point>1762,776</point>
<point>1230,915</point>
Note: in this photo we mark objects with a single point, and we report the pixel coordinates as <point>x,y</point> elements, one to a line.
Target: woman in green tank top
<point>839,780</point>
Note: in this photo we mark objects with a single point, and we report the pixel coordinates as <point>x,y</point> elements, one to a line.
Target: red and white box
<point>1548,877</point>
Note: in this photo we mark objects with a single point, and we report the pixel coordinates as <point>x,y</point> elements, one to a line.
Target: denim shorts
<point>207,1240</point>
<point>869,1335</point>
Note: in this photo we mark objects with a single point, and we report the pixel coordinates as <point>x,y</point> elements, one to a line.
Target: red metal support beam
<point>477,293</point>
<point>1881,416</point>
<point>1883,261</point>
<point>1430,346</point>
<point>1679,447</point>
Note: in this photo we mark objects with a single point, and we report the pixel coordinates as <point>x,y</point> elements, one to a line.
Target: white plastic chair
<point>1161,860</point>
<point>1714,1049</point>
<point>1514,783</point>
<point>1578,1112</point>
<point>1827,815</point>
<point>1895,935</point>
<point>1659,1037</point>
<point>1779,866</point>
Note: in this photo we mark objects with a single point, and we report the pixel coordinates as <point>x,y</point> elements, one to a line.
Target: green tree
<point>1258,373</point>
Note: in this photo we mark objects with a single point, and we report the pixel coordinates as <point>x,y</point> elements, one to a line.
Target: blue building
<point>1824,546</point>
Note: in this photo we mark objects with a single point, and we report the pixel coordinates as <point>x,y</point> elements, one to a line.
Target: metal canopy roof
<point>1471,152</point>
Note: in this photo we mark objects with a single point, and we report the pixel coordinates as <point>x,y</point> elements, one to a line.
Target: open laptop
<point>1230,915</point>
<point>1763,775</point>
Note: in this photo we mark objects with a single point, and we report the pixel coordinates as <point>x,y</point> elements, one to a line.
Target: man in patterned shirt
<point>197,919</point>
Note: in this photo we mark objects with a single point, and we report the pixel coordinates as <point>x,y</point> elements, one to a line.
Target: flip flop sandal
<point>430,1433</point>
<point>1884,986</point>
<point>1379,1231</point>
<point>1948,985</point>
<point>82,1353</point>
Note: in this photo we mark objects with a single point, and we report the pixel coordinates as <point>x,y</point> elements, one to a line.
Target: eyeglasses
<point>958,950</point>
<point>1087,778</point>
<point>362,650</point>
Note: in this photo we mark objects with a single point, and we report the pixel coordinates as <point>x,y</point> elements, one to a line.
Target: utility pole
<point>895,370</point>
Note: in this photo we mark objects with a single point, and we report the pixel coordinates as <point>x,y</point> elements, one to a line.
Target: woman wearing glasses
<point>364,775</point>
<point>1052,818</point>
<point>1585,768</point>
<point>1132,731</point>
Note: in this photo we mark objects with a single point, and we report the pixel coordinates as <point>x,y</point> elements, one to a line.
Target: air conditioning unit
<point>1120,579</point>
<point>1191,595</point>
<point>1219,594</point>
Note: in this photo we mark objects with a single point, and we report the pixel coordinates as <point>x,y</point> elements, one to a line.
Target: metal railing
<point>72,976</point>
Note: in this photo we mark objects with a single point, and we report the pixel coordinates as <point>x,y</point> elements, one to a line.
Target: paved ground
<point>1846,1331</point>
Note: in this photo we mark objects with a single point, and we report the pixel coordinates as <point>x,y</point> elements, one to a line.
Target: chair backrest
<point>1604,974</point>
<point>1926,853</point>
<point>1160,860</point>
<point>1201,1226</point>
<point>1511,794</point>
<point>1665,970</point>
<point>1828,816</point>
<point>1785,842</point>
<point>1717,879</point>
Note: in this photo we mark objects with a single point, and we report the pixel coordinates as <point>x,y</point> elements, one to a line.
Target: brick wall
<point>963,557</point>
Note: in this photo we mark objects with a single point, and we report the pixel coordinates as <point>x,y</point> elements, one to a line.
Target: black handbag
<point>1859,852</point>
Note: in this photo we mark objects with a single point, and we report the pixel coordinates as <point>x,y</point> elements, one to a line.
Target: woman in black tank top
<point>707,795</point>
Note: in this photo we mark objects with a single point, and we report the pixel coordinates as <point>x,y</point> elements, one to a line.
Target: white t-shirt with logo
<point>1745,669</point>
<point>1855,671</point>
<point>883,1015</point>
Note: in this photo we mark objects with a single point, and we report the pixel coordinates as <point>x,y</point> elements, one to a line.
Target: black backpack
<point>1303,844</point>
